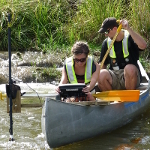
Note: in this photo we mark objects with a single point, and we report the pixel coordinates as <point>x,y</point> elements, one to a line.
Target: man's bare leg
<point>105,80</point>
<point>131,75</point>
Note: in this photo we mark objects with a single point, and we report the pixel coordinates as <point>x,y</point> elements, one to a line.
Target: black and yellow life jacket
<point>71,72</point>
<point>112,53</point>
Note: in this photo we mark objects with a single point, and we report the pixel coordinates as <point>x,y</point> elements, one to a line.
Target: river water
<point>27,130</point>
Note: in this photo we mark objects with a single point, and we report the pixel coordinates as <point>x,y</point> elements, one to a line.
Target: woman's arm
<point>94,79</point>
<point>64,79</point>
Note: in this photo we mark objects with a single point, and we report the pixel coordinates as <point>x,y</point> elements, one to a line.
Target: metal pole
<point>10,81</point>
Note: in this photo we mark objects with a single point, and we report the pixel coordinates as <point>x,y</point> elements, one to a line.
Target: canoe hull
<point>64,123</point>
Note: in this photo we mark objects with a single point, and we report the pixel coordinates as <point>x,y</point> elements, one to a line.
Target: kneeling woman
<point>80,68</point>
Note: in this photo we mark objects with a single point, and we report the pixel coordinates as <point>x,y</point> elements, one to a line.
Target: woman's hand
<point>57,89</point>
<point>90,97</point>
<point>86,89</point>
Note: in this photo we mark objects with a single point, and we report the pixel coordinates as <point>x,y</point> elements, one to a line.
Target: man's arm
<point>135,36</point>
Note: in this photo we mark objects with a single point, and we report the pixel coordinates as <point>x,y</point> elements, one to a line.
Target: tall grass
<point>54,24</point>
<point>88,19</point>
<point>35,24</point>
<point>139,16</point>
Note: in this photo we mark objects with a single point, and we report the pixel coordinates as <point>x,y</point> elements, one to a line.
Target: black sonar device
<point>70,90</point>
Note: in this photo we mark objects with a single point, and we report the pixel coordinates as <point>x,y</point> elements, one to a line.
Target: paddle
<point>112,42</point>
<point>119,95</point>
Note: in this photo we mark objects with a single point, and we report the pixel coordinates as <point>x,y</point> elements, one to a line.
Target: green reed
<point>88,19</point>
<point>35,24</point>
<point>140,20</point>
<point>54,24</point>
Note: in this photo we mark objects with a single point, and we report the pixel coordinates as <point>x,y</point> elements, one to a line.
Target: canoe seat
<point>143,86</point>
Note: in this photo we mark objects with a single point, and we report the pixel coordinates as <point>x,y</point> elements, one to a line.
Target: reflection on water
<point>28,133</point>
<point>134,136</point>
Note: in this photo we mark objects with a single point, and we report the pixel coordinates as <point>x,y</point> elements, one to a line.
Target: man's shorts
<point>118,81</point>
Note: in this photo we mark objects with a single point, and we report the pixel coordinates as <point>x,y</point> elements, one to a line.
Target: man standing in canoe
<point>124,71</point>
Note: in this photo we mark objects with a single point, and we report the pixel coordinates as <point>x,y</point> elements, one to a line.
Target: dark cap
<point>108,23</point>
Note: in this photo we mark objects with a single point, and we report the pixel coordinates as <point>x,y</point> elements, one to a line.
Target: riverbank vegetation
<point>54,25</point>
<point>48,25</point>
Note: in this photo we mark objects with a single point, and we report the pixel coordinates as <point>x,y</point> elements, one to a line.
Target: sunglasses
<point>81,60</point>
<point>108,30</point>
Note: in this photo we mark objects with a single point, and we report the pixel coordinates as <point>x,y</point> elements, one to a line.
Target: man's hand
<point>125,24</point>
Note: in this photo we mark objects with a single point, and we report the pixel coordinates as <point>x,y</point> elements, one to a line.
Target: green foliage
<point>140,18</point>
<point>35,24</point>
<point>51,73</point>
<point>89,17</point>
<point>48,25</point>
